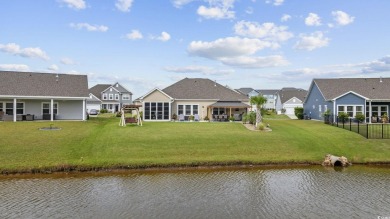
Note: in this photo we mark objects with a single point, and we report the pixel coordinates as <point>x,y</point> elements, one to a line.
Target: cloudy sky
<point>143,44</point>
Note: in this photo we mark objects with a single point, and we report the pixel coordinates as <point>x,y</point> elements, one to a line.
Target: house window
<point>116,96</point>
<point>352,111</point>
<point>104,96</point>
<point>126,97</point>
<point>110,89</point>
<point>1,107</point>
<point>110,96</point>
<point>325,108</point>
<point>9,108</point>
<point>157,111</point>
<point>117,85</point>
<point>46,108</point>
<point>188,110</point>
<point>319,108</point>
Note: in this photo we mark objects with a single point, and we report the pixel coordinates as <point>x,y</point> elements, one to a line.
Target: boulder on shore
<point>331,160</point>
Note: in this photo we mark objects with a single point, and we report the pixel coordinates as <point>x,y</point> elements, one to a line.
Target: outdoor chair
<point>1,115</point>
<point>196,117</point>
<point>181,117</point>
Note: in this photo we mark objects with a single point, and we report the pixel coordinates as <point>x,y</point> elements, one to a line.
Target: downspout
<point>334,110</point>
<point>370,112</point>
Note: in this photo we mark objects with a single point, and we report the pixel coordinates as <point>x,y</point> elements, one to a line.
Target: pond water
<point>294,192</point>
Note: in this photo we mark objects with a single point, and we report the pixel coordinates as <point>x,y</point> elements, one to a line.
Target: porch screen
<point>157,111</point>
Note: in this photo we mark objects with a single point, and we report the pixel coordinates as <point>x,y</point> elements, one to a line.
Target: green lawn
<point>101,143</point>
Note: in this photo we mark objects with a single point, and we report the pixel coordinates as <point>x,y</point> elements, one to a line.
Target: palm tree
<point>258,101</point>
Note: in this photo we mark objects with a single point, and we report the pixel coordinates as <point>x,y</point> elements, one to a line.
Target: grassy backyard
<point>101,143</point>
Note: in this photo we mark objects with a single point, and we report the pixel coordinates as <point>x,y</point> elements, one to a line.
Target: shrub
<point>206,118</point>
<point>252,117</point>
<point>231,118</point>
<point>261,126</point>
<point>174,116</point>
<point>103,111</point>
<point>244,118</point>
<point>343,116</point>
<point>191,117</point>
<point>360,117</point>
<point>298,111</point>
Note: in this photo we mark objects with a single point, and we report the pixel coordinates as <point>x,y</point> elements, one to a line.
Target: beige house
<point>196,97</point>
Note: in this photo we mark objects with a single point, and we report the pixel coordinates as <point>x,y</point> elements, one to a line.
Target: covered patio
<point>222,110</point>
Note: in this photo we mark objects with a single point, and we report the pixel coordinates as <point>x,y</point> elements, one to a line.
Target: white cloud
<point>236,51</point>
<point>28,52</point>
<point>134,35</point>
<point>313,20</point>
<point>53,68</point>
<point>89,27</point>
<point>67,61</point>
<point>380,65</point>
<point>204,70</point>
<point>180,3</point>
<point>227,47</point>
<point>266,31</point>
<point>275,2</point>
<point>255,62</point>
<point>285,18</point>
<point>123,5</point>
<point>313,41</point>
<point>217,9</point>
<point>342,18</point>
<point>14,67</point>
<point>163,37</point>
<point>75,4</point>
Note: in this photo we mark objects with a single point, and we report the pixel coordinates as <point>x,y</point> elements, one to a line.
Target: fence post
<point>367,130</point>
<point>382,130</point>
<point>350,124</point>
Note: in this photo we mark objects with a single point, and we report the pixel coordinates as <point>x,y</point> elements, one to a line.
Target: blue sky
<point>143,44</point>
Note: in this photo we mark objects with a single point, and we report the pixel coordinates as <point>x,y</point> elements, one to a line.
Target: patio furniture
<point>29,117</point>
<point>181,117</point>
<point>1,115</point>
<point>196,117</point>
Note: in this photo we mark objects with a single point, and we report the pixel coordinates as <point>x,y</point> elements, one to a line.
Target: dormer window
<point>110,89</point>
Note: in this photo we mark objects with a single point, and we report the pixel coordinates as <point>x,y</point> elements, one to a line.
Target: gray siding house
<point>109,96</point>
<point>31,96</point>
<point>288,99</point>
<point>197,97</point>
<point>368,96</point>
<point>271,96</point>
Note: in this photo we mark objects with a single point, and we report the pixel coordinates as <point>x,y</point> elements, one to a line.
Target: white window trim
<point>126,97</point>
<point>5,107</point>
<point>150,115</point>
<point>116,96</point>
<point>58,107</point>
<point>184,109</point>
<point>110,96</point>
<point>379,106</point>
<point>104,96</point>
<point>354,109</point>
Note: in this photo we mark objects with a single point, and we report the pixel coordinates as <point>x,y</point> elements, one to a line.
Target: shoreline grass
<point>100,144</point>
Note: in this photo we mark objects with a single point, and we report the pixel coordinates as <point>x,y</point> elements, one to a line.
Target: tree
<point>258,101</point>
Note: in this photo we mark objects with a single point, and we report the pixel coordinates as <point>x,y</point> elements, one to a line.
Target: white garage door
<point>290,110</point>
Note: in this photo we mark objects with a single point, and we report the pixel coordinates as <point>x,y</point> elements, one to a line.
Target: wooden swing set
<point>132,120</point>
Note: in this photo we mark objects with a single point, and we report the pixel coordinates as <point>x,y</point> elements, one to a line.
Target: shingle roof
<point>267,92</point>
<point>245,90</point>
<point>288,93</point>
<point>97,89</point>
<point>201,88</point>
<point>121,89</point>
<point>371,88</point>
<point>43,84</point>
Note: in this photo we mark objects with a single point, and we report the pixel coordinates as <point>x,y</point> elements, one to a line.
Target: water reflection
<point>304,192</point>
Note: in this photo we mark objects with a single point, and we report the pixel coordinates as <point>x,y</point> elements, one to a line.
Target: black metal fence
<point>372,131</point>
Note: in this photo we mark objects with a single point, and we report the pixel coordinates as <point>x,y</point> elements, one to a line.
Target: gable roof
<point>33,84</point>
<point>202,88</point>
<point>246,90</point>
<point>287,94</point>
<point>98,89</point>
<point>371,88</point>
<point>120,88</point>
<point>268,92</point>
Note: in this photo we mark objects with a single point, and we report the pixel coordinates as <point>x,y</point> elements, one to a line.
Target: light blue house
<point>367,96</point>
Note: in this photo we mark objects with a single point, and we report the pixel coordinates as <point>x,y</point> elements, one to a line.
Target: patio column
<point>230,112</point>
<point>14,110</point>
<point>51,110</point>
<point>83,109</point>
<point>369,112</point>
